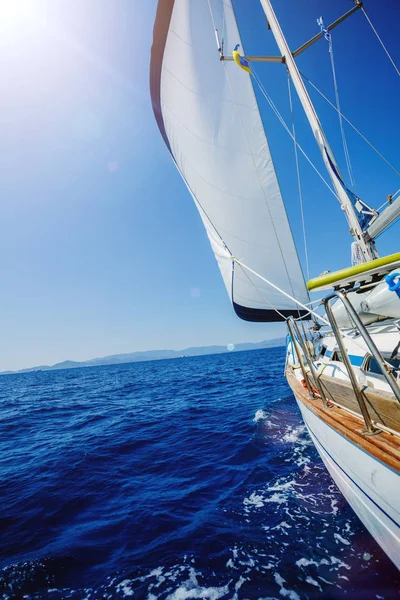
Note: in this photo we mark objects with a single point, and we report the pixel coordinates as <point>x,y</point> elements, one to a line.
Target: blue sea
<point>175,479</point>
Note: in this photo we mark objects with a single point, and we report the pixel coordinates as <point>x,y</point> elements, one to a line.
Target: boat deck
<point>384,446</point>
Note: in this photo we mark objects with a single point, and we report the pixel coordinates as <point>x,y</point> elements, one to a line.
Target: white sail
<point>208,116</point>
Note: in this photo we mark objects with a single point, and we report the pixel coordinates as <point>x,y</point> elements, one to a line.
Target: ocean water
<point>178,479</point>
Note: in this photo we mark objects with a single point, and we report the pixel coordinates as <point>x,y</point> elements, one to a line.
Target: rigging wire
<point>223,30</point>
<point>212,15</point>
<point>344,141</point>
<point>381,42</point>
<point>260,292</point>
<point>305,306</point>
<point>281,120</point>
<point>298,178</point>
<point>351,124</point>
<point>259,179</point>
<point>258,175</point>
<point>389,200</point>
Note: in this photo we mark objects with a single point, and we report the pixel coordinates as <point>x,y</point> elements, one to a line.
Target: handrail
<point>309,361</point>
<point>372,427</point>
<point>295,344</point>
<point>353,379</point>
<point>387,370</point>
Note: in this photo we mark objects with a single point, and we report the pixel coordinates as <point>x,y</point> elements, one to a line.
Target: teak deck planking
<point>383,446</point>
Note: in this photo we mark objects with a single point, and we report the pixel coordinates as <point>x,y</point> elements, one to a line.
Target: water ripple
<point>175,479</point>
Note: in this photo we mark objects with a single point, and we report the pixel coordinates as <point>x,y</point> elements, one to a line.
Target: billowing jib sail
<point>208,116</point>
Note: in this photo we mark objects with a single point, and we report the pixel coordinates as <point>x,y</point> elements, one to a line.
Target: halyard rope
<point>344,141</point>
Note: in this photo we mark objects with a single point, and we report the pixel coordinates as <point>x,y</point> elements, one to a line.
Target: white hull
<point>371,488</point>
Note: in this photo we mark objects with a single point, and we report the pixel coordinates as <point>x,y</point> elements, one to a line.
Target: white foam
<point>333,506</point>
<point>341,539</point>
<point>191,589</point>
<point>305,562</point>
<point>124,587</point>
<point>254,500</point>
<point>285,485</point>
<point>337,561</point>
<point>260,416</point>
<point>282,527</point>
<point>291,594</point>
<point>312,581</point>
<point>277,498</point>
<point>238,585</point>
<point>292,435</point>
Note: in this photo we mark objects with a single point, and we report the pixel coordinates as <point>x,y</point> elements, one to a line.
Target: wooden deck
<point>384,446</point>
<point>382,406</point>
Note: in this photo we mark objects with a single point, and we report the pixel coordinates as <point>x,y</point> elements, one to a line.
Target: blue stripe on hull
<point>351,479</point>
<point>355,360</point>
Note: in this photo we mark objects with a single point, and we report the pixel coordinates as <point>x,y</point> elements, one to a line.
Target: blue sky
<point>102,250</point>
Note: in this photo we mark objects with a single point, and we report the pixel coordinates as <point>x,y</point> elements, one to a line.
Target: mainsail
<point>208,115</point>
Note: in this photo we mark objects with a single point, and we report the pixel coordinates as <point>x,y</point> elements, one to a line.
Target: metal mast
<point>327,154</point>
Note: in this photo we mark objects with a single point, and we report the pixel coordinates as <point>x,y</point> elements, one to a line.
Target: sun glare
<point>16,9</point>
<point>16,16</point>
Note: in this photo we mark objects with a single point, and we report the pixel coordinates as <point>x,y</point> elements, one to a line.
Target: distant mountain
<point>117,359</point>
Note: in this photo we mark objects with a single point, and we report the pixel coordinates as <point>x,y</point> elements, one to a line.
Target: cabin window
<point>323,350</point>
<point>372,366</point>
<point>337,355</point>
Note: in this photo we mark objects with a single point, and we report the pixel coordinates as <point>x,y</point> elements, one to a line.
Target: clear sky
<point>102,250</point>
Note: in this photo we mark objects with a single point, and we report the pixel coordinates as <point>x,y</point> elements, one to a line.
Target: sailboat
<point>343,365</point>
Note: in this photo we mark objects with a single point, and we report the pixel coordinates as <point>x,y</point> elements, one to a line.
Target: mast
<point>327,154</point>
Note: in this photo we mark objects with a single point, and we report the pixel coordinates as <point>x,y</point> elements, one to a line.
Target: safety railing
<point>298,341</point>
<point>383,365</point>
<point>311,377</point>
